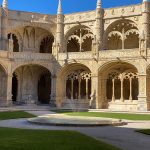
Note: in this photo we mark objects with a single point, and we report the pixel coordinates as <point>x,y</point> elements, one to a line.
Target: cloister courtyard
<point>76,81</point>
<point>17,133</point>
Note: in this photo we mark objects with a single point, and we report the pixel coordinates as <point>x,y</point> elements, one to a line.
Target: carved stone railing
<point>30,56</point>
<point>75,55</point>
<point>127,53</point>
<point>104,54</point>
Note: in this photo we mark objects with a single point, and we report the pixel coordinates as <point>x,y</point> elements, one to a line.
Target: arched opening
<point>78,85</point>
<point>120,83</point>
<point>44,88</point>
<point>46,44</point>
<point>80,40</point>
<point>73,45</point>
<point>32,85</point>
<point>122,34</point>
<point>74,86</point>
<point>15,42</point>
<point>114,42</point>
<point>14,88</point>
<point>132,40</point>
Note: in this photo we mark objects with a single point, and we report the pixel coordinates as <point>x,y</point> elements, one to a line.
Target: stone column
<point>53,90</point>
<point>60,92</point>
<point>130,97</point>
<point>79,90</point>
<point>122,98</point>
<point>142,98</point>
<point>87,92</point>
<point>72,82</point>
<point>60,27</point>
<point>94,90</point>
<point>145,21</point>
<point>99,29</point>
<point>9,89</point>
<point>123,39</point>
<point>19,88</point>
<point>113,90</point>
<point>4,25</point>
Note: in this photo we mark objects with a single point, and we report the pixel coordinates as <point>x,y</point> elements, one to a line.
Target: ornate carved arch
<point>80,40</point>
<point>36,64</point>
<point>20,40</point>
<point>125,27</point>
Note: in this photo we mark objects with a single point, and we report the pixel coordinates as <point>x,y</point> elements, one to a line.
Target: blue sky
<point>50,6</point>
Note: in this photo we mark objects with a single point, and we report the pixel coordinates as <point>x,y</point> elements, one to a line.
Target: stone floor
<point>124,137</point>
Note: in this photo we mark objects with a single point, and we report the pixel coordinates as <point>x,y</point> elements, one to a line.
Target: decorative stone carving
<point>93,98</point>
<point>132,9</point>
<point>118,27</point>
<point>11,45</point>
<point>143,44</point>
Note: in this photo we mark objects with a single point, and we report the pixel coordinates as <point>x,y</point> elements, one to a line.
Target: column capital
<point>94,75</point>
<point>9,75</point>
<point>142,74</point>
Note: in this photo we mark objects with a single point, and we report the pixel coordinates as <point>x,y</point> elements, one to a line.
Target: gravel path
<point>124,137</point>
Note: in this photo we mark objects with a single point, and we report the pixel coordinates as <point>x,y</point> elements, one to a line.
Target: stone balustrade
<point>29,56</point>
<point>104,54</point>
<point>126,53</point>
<point>75,55</point>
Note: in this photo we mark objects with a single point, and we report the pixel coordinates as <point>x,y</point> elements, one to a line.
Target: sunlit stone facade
<point>97,59</point>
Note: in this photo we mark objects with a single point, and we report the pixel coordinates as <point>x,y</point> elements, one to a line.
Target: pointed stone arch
<point>79,39</point>
<point>31,88</point>
<point>120,86</point>
<point>74,82</point>
<point>117,35</point>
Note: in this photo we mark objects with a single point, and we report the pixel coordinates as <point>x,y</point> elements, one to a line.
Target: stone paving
<point>123,137</point>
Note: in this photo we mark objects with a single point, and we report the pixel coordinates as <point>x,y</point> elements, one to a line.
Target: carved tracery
<point>80,40</point>
<point>122,35</point>
<point>46,44</point>
<point>15,44</point>
<point>123,86</point>
<point>78,85</point>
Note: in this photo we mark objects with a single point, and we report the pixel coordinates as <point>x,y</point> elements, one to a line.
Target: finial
<point>59,11</point>
<point>99,3</point>
<point>5,4</point>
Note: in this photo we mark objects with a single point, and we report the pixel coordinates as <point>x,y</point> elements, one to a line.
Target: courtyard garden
<point>43,139</point>
<point>14,115</point>
<point>125,116</point>
<point>29,139</point>
<point>23,139</point>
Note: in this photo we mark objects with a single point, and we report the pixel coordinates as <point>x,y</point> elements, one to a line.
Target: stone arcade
<point>98,59</point>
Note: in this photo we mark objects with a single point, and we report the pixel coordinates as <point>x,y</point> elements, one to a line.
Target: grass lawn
<point>144,131</point>
<point>109,115</point>
<point>14,115</point>
<point>23,139</point>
